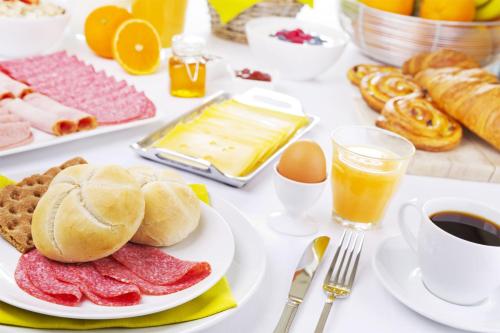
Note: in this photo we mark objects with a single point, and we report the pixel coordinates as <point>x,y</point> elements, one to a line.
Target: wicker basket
<point>234,30</point>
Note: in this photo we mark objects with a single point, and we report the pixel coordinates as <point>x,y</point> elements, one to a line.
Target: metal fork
<point>340,284</point>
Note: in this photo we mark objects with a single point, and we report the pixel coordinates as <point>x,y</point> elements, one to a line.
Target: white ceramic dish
<point>396,267</point>
<point>245,275</point>
<point>294,61</point>
<point>212,241</point>
<point>41,139</point>
<point>28,36</point>
<point>244,84</point>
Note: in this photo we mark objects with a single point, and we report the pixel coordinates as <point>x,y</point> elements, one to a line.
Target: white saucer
<point>396,268</point>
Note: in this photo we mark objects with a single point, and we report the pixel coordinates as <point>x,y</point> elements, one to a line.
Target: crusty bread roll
<point>172,208</point>
<point>87,213</point>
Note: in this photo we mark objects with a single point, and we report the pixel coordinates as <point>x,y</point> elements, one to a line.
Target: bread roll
<point>87,213</point>
<point>172,209</point>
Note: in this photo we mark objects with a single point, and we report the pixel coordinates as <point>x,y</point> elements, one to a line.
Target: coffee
<point>469,227</point>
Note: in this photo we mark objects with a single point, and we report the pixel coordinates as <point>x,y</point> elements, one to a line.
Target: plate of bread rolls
<point>106,241</point>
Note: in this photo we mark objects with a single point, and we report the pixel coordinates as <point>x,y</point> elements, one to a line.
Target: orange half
<point>136,47</point>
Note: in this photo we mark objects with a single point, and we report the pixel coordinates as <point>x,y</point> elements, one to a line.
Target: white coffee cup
<point>454,269</point>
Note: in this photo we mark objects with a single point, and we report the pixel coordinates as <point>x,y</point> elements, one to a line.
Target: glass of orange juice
<point>367,166</point>
<point>167,16</point>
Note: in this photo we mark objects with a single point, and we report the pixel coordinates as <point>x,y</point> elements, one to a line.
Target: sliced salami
<point>113,269</point>
<point>35,274</point>
<point>157,267</point>
<point>73,83</point>
<point>99,289</point>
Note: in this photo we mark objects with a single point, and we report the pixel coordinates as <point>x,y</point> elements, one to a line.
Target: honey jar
<point>187,67</point>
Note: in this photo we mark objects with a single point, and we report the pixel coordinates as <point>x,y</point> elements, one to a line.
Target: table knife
<point>301,280</point>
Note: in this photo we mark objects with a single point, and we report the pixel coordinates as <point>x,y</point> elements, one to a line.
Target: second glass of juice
<point>367,166</point>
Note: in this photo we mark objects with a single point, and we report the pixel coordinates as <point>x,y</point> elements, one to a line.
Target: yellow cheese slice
<point>229,156</point>
<point>234,137</point>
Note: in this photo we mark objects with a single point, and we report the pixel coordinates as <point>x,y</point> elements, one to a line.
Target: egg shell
<point>303,161</point>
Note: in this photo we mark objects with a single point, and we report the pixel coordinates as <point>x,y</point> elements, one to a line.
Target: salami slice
<point>157,267</point>
<point>73,83</point>
<point>113,269</point>
<point>35,275</point>
<point>99,289</point>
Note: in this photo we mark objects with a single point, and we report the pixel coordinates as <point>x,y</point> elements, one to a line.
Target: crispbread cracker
<point>18,202</point>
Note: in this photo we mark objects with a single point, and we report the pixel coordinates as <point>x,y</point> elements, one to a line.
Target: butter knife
<point>301,280</point>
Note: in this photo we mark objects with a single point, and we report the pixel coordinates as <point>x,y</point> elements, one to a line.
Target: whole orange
<point>446,10</point>
<point>403,7</point>
<point>100,27</point>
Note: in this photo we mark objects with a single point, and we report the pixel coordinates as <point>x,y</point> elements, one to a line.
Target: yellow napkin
<point>229,9</point>
<point>217,299</point>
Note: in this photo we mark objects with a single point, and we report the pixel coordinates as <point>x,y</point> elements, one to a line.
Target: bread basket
<point>234,30</point>
<point>393,38</point>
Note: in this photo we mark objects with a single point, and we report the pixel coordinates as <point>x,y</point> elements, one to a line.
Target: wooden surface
<point>473,160</point>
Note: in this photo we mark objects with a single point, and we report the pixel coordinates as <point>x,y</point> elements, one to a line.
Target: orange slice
<point>100,27</point>
<point>136,47</point>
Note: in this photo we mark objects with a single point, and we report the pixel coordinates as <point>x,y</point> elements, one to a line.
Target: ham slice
<point>83,120</point>
<point>10,88</point>
<point>43,120</point>
<point>76,84</point>
<point>13,130</point>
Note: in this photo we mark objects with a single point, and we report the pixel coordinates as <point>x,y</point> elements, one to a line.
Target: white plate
<point>245,275</point>
<point>212,241</point>
<point>396,267</point>
<point>42,139</point>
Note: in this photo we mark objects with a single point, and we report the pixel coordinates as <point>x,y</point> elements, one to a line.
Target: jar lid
<point>187,45</point>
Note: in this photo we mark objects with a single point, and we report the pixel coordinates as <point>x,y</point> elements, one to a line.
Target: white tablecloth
<point>370,308</point>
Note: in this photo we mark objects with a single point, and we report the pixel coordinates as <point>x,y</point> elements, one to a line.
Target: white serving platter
<point>212,242</point>
<point>245,276</point>
<point>42,139</point>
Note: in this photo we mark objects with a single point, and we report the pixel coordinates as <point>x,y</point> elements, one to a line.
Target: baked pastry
<point>471,99</point>
<point>172,209</point>
<point>419,120</point>
<point>87,213</point>
<point>18,202</point>
<point>438,59</point>
<point>358,72</point>
<point>379,87</point>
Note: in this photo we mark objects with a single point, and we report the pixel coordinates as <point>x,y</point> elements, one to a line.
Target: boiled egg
<point>303,161</point>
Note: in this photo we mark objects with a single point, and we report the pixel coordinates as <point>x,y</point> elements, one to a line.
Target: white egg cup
<point>297,198</point>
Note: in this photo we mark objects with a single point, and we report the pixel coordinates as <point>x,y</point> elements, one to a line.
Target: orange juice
<point>167,16</point>
<point>364,179</point>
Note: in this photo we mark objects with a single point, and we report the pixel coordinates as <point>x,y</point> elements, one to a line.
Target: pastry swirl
<point>379,87</point>
<point>358,72</point>
<point>420,121</point>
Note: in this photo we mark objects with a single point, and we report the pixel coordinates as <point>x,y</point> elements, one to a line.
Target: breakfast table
<point>370,308</point>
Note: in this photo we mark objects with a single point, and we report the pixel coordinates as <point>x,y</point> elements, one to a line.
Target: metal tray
<point>256,97</point>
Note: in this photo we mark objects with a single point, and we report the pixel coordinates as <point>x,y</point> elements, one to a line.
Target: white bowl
<point>27,36</point>
<point>294,61</point>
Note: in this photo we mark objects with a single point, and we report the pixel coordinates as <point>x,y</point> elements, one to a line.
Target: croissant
<point>358,72</point>
<point>438,59</point>
<point>471,97</point>
<point>379,87</point>
<point>419,120</point>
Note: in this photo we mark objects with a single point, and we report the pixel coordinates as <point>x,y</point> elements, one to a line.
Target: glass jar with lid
<point>187,66</point>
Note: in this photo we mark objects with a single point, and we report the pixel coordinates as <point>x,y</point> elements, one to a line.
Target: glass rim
<point>381,130</point>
